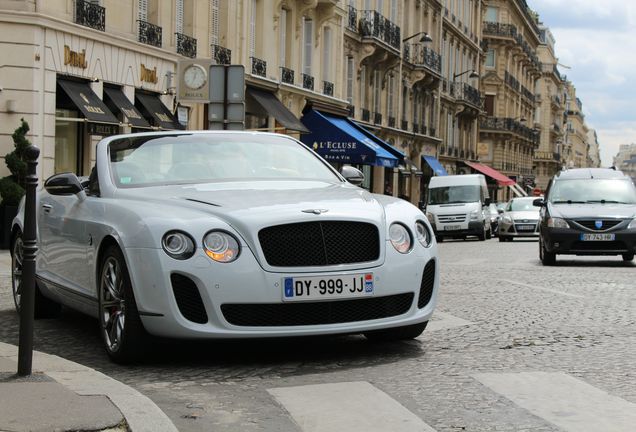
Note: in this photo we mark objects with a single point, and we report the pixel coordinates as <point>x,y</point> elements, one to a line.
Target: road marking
<point>543,289</point>
<point>347,407</point>
<point>443,321</point>
<point>564,401</point>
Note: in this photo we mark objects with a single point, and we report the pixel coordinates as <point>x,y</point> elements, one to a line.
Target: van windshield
<point>453,194</point>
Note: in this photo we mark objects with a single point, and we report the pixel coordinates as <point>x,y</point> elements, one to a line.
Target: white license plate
<point>452,227</point>
<point>525,227</point>
<point>327,287</point>
<point>598,237</point>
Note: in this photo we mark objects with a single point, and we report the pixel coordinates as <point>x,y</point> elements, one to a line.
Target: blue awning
<point>337,139</point>
<point>437,167</point>
<point>388,147</point>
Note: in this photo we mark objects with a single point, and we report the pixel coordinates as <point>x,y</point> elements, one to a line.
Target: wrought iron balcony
<point>186,45</point>
<point>512,81</point>
<point>327,88</point>
<point>455,152</point>
<point>374,25</point>
<point>416,127</point>
<point>528,94</point>
<point>432,132</point>
<point>528,14</point>
<point>556,100</point>
<point>391,121</point>
<point>286,75</point>
<point>404,125</point>
<point>377,118</point>
<point>90,15</point>
<point>149,34</point>
<point>352,21</point>
<point>352,111</point>
<point>466,92</point>
<point>421,56</point>
<point>308,82</point>
<point>442,150</point>
<point>221,55</point>
<point>366,115</point>
<point>499,29</point>
<point>259,67</point>
<point>509,125</point>
<point>461,153</point>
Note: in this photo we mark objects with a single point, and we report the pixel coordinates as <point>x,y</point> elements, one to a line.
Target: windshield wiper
<point>568,202</point>
<point>605,201</point>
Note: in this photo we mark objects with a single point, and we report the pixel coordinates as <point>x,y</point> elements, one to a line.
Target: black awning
<point>117,101</point>
<point>274,107</point>
<point>85,99</point>
<point>153,109</point>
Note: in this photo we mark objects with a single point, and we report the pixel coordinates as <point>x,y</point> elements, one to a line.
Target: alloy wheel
<point>112,303</point>
<point>17,259</point>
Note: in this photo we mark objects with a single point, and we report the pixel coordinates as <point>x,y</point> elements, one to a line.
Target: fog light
<point>556,245</point>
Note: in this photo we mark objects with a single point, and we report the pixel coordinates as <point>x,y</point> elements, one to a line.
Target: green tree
<point>12,186</point>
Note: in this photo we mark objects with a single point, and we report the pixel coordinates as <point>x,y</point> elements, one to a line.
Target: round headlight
<point>178,245</point>
<point>423,234</point>
<point>400,238</point>
<point>221,246</point>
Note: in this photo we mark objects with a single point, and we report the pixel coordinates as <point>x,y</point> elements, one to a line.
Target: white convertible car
<point>227,235</point>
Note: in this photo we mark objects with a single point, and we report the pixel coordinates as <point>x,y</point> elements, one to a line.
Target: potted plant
<point>12,186</point>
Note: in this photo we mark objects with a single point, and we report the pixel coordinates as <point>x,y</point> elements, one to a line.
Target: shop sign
<point>74,58</point>
<point>103,129</point>
<point>149,75</point>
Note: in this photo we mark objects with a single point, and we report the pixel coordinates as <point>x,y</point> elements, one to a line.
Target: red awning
<point>491,172</point>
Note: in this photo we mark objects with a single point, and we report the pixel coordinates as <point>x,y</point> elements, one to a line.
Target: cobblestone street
<point>500,312</point>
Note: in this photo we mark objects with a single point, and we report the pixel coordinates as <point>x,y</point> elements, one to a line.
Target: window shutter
<point>391,95</point>
<point>214,22</point>
<point>363,86</point>
<point>376,91</point>
<point>283,37</point>
<point>326,54</point>
<point>308,36</point>
<point>179,16</point>
<point>350,80</point>
<point>143,10</point>
<point>253,28</point>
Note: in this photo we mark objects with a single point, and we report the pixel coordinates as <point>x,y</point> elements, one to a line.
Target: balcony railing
<point>352,19</point>
<point>221,55</point>
<point>432,132</point>
<point>528,94</point>
<point>499,29</point>
<point>377,118</point>
<point>404,125</point>
<point>391,121</point>
<point>466,92</point>
<point>509,125</point>
<point>286,75</point>
<point>259,67</point>
<point>420,55</point>
<point>149,34</point>
<point>372,24</point>
<point>90,15</point>
<point>308,82</point>
<point>512,81</point>
<point>416,127</point>
<point>327,88</point>
<point>556,100</point>
<point>186,45</point>
<point>528,14</point>
<point>366,115</point>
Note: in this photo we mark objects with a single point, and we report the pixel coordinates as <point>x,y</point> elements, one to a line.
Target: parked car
<point>227,235</point>
<point>456,204</point>
<point>588,211</point>
<point>519,219</point>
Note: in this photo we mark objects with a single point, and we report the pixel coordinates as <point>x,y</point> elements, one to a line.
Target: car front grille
<point>590,224</point>
<point>451,218</point>
<point>188,299</point>
<point>427,285</point>
<point>316,313</point>
<point>526,227</point>
<point>320,243</point>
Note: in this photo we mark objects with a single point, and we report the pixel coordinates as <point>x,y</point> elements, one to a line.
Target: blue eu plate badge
<point>289,287</point>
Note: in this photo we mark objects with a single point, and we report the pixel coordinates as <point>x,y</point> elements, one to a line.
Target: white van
<point>455,206</point>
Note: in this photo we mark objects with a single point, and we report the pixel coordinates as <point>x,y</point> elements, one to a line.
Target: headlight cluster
<point>557,223</point>
<point>474,215</point>
<point>221,246</point>
<point>402,240</point>
<point>507,219</point>
<point>632,225</point>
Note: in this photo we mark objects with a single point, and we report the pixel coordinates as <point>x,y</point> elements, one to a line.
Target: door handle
<point>47,208</point>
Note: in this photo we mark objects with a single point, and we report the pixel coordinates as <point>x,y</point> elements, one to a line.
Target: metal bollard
<point>25,346</point>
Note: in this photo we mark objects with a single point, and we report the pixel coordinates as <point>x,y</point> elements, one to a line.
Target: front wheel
<point>396,333</point>
<point>121,329</point>
<point>547,258</point>
<point>627,257</point>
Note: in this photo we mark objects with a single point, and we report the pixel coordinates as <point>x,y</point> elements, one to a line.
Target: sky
<point>597,40</point>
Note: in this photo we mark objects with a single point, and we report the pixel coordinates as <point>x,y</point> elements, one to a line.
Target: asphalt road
<point>510,341</point>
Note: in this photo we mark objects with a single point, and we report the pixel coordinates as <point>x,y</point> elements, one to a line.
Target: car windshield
<point>521,205</point>
<point>593,191</point>
<point>199,158</point>
<point>453,194</point>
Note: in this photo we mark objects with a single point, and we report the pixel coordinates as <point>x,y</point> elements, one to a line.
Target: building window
<point>67,143</point>
<point>179,16</point>
<point>492,14</point>
<point>391,96</point>
<point>363,86</point>
<point>308,37</point>
<point>214,22</point>
<point>489,105</point>
<point>394,12</point>
<point>326,54</point>
<point>253,28</point>
<point>377,89</point>
<point>350,80</point>
<point>283,37</point>
<point>143,10</point>
<point>490,58</point>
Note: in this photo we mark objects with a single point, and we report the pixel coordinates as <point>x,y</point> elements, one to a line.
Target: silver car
<point>519,219</point>
<point>227,235</point>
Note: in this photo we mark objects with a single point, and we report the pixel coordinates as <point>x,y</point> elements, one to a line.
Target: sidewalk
<point>62,395</point>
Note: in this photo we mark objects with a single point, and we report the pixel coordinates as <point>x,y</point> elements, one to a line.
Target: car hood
<point>249,206</point>
<point>520,215</point>
<point>602,211</point>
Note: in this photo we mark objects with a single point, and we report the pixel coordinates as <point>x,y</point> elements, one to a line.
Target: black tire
<point>439,239</point>
<point>124,340</point>
<point>43,307</point>
<point>547,258</point>
<point>501,239</point>
<point>396,333</point>
<point>627,257</point>
<point>489,234</point>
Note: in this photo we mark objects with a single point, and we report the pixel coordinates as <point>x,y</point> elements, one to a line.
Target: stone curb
<point>141,414</point>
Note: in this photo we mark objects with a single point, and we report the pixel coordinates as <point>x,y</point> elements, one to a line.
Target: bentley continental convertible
<point>227,235</point>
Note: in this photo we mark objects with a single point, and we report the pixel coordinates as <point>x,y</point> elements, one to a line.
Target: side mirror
<point>538,202</point>
<point>352,175</point>
<point>63,184</point>
<point>500,211</point>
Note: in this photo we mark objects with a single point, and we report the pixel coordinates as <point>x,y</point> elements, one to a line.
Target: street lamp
<point>473,74</point>
<point>425,37</point>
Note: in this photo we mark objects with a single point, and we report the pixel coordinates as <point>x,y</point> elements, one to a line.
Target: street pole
<point>30,248</point>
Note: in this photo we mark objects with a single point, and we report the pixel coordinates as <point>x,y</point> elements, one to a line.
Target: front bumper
<point>475,228</point>
<point>568,241</point>
<point>516,229</point>
<point>244,282</point>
